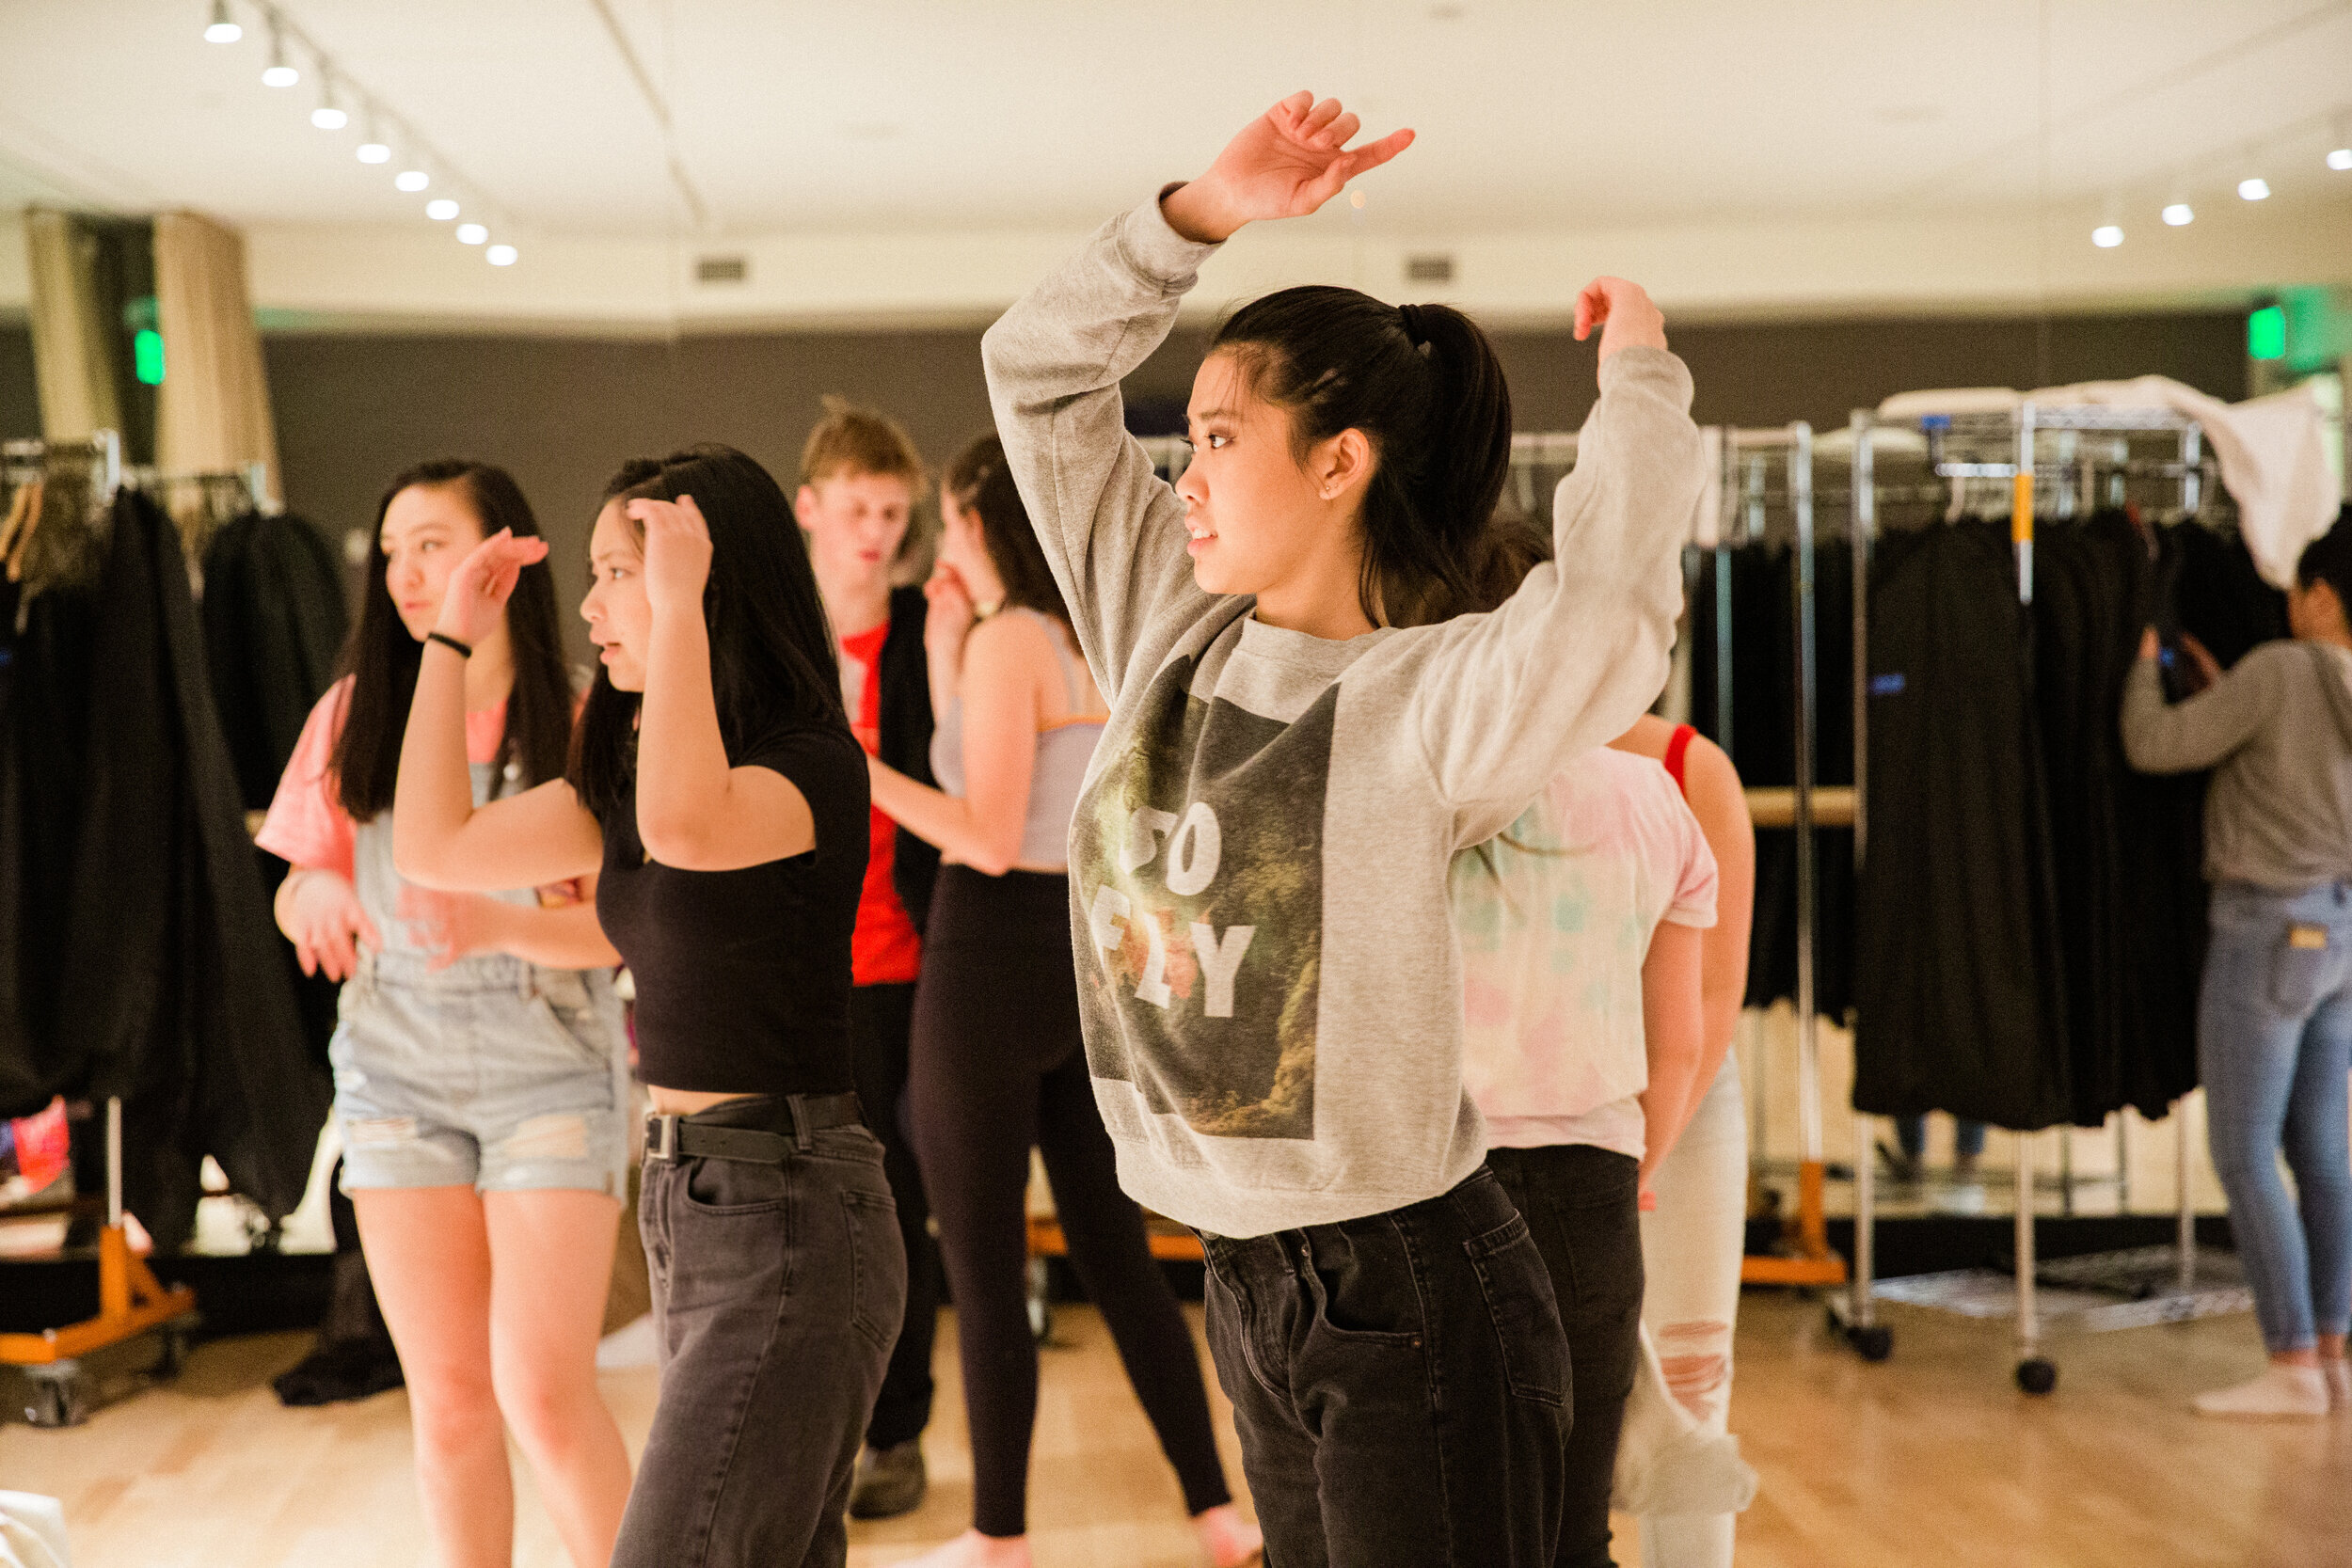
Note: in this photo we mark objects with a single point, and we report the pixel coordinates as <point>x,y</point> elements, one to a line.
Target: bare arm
<point>1673,1022</point>
<point>320,912</point>
<point>1720,805</point>
<point>695,812</point>
<point>456,925</point>
<point>440,839</point>
<point>1002,661</point>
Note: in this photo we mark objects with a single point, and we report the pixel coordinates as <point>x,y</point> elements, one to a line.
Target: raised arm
<point>440,839</point>
<point>983,827</point>
<point>695,812</point>
<point>2202,732</point>
<point>1503,701</point>
<point>1113,532</point>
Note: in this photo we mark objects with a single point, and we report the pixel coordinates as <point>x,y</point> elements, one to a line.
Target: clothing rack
<point>102,448</point>
<point>132,1301</point>
<point>1763,470</point>
<point>2073,474</point>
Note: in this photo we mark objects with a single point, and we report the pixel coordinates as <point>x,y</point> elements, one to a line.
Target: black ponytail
<point>1422,384</point>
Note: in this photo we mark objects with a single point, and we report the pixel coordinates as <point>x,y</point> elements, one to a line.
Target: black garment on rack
<point>174,989</point>
<point>1763,733</point>
<point>2125,847</point>
<point>1958,979</point>
<point>274,619</point>
<point>49,644</point>
<point>2217,594</point>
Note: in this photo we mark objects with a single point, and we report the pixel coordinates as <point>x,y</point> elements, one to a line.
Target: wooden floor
<point>1931,1458</point>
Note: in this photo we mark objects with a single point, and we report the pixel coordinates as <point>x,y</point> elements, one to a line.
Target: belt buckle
<point>664,1143</point>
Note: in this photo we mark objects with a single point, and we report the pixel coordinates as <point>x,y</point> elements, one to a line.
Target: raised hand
<point>475,603</point>
<point>950,614</point>
<point>1285,163</point>
<point>1624,314</point>
<point>677,552</point>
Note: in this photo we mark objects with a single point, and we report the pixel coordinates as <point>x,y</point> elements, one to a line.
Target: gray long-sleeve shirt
<point>1267,974</point>
<point>2278,730</point>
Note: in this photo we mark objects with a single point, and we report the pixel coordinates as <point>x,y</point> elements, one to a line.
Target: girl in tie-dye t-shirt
<point>1579,930</point>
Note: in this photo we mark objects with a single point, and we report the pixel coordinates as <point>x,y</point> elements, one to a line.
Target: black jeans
<point>1400,1384</point>
<point>1584,1205</point>
<point>777,1289</point>
<point>881,1022</point>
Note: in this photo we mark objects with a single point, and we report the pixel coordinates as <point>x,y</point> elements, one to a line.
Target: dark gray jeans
<point>1400,1384</point>
<point>778,1289</point>
<point>1584,1207</point>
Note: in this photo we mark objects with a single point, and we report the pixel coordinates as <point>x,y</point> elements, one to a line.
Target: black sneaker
<point>890,1481</point>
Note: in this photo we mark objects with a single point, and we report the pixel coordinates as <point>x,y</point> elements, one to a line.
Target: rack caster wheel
<point>2037,1376</point>
<point>1874,1343</point>
<point>59,1395</point>
<point>172,1342</point>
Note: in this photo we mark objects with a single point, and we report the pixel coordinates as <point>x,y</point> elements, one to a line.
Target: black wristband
<point>448,642</point>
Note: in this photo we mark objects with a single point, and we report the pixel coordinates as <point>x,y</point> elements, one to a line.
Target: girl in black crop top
<point>716,784</point>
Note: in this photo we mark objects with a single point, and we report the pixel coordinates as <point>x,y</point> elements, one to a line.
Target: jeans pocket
<point>1526,1317</point>
<point>877,1281</point>
<point>719,1187</point>
<point>2298,969</point>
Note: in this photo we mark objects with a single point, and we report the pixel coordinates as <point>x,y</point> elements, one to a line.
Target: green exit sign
<point>2266,334</point>
<point>147,356</point>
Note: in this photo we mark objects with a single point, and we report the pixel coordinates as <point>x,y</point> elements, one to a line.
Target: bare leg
<point>429,1250</point>
<point>551,1255</point>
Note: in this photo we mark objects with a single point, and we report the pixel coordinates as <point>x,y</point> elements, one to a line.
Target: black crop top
<point>743,976</point>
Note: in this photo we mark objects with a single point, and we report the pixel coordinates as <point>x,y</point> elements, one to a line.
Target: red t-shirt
<point>884,950</point>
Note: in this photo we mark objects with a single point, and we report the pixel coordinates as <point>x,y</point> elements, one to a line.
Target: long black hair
<point>1422,383</point>
<point>772,652</point>
<point>381,658</point>
<point>981,481</point>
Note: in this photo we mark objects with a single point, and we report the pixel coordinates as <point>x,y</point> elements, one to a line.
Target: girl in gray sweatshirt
<point>1271,992</point>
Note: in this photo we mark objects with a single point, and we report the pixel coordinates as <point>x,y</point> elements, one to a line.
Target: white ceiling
<point>879,116</point>
<point>1033,112</point>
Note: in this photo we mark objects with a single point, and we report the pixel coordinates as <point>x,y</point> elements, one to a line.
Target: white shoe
<point>632,1344</point>
<point>2281,1392</point>
<point>2339,1373</point>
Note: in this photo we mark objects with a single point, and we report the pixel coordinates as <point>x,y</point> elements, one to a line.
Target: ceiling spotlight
<point>472,234</point>
<point>2180,214</point>
<point>374,151</point>
<point>440,208</point>
<point>2256,189</point>
<point>2341,158</point>
<point>223,28</point>
<point>278,73</point>
<point>412,179</point>
<point>328,116</point>
<point>501,254</point>
<point>2107,236</point>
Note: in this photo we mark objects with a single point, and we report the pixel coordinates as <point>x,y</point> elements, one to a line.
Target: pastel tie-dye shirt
<point>1553,918</point>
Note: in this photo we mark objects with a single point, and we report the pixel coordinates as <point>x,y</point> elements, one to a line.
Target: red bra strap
<point>1676,749</point>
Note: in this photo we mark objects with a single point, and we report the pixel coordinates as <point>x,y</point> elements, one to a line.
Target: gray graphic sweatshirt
<point>1266,966</point>
<point>2278,728</point>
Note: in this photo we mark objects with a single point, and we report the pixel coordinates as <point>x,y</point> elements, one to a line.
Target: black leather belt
<point>682,1137</point>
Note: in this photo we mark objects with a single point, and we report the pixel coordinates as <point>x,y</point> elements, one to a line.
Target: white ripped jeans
<point>1691,1247</point>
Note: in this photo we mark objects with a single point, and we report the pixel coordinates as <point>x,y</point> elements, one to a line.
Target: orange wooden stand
<point>1815,1264</point>
<point>131,1302</point>
<point>1168,1247</point>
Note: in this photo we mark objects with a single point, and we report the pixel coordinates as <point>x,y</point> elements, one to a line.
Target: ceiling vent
<point>722,269</point>
<point>1429,269</point>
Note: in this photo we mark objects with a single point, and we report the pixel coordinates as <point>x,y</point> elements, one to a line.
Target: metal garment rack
<point>102,448</point>
<point>2074,475</point>
<point>131,1300</point>
<point>1747,457</point>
